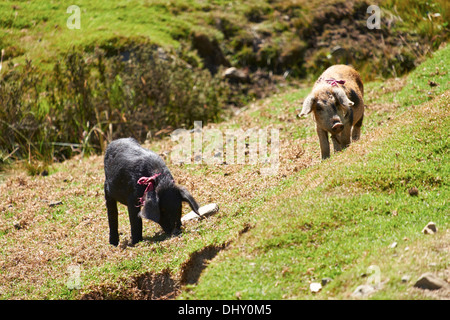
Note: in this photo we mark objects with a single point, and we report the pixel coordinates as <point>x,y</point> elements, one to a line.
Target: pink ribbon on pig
<point>334,82</point>
<point>150,183</point>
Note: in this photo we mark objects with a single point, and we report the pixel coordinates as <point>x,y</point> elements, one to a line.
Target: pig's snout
<point>337,127</point>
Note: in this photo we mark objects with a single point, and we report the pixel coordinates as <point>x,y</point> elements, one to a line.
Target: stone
<point>413,191</point>
<point>54,203</point>
<point>315,287</point>
<point>326,281</point>
<point>393,245</point>
<point>204,211</point>
<point>363,291</point>
<point>406,278</point>
<point>19,224</point>
<point>430,228</point>
<point>236,74</point>
<point>431,282</point>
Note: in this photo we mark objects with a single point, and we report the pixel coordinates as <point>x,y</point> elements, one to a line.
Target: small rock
<point>315,287</point>
<point>363,291</point>
<point>326,281</point>
<point>413,191</point>
<point>431,282</point>
<point>393,245</point>
<point>430,228</point>
<point>54,203</point>
<point>19,224</point>
<point>406,278</point>
<point>235,74</point>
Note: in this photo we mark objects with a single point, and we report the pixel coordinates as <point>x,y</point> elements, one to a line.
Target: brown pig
<point>336,101</point>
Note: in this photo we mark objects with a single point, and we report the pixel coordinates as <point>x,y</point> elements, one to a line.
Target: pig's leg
<point>324,143</point>
<point>135,221</point>
<point>111,206</point>
<point>344,137</point>
<point>336,143</point>
<point>356,133</point>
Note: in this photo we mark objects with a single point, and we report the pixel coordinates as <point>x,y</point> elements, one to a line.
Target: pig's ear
<point>307,106</point>
<point>340,95</point>
<point>150,209</point>
<point>187,197</point>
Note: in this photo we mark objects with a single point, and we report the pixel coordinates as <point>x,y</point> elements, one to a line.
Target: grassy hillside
<point>274,234</point>
<point>338,219</point>
<point>279,29</point>
<point>138,68</point>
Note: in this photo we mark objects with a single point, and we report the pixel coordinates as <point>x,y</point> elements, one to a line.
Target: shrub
<point>90,98</point>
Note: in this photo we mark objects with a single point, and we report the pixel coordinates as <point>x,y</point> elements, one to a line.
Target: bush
<point>20,124</point>
<point>90,98</point>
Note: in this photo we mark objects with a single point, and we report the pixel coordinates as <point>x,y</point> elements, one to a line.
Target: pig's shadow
<point>160,236</point>
<point>157,237</point>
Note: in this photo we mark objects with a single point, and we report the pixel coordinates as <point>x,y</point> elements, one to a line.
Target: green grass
<point>417,88</point>
<point>38,30</point>
<point>333,219</point>
<point>316,234</point>
<point>46,22</point>
<point>58,83</point>
<point>433,71</point>
<point>347,223</point>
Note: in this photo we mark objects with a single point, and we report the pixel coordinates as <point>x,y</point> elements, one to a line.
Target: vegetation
<point>274,235</point>
<point>145,68</point>
<point>139,67</point>
<point>89,102</point>
<point>337,219</point>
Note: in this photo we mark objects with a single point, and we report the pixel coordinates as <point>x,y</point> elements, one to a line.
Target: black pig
<point>139,179</point>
